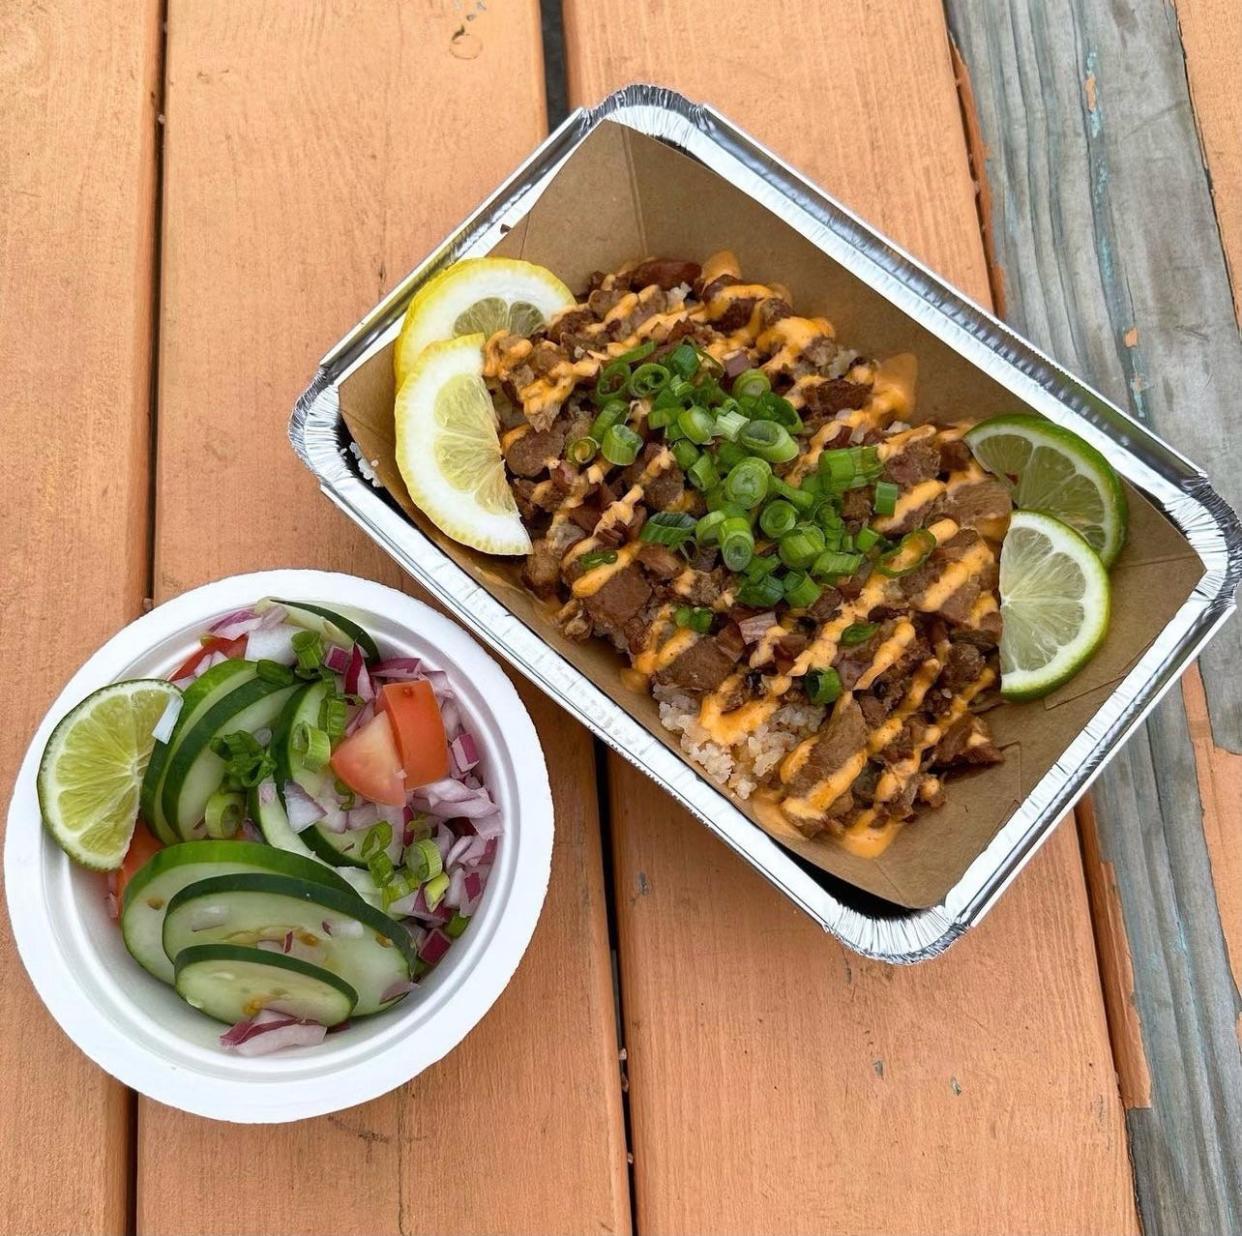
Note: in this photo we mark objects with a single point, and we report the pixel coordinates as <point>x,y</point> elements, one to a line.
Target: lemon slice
<point>92,770</point>
<point>478,296</point>
<point>1054,604</point>
<point>1047,468</point>
<point>449,452</point>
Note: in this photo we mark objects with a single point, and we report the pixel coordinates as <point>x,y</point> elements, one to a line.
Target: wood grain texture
<point>1212,38</point>
<point>77,209</point>
<point>1103,225</point>
<point>778,1083</point>
<point>314,153</point>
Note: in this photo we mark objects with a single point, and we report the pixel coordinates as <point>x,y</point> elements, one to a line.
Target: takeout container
<point>137,1028</point>
<point>647,173</point>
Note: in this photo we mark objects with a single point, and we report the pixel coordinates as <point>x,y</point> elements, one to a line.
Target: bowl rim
<point>258,1092</point>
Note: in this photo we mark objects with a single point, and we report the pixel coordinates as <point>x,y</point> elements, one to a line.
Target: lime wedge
<point>449,453</point>
<point>1049,469</point>
<point>478,296</point>
<point>93,766</point>
<point>1054,605</point>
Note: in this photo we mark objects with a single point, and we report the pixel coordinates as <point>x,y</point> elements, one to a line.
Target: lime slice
<point>1049,469</point>
<point>93,766</point>
<point>449,453</point>
<point>478,296</point>
<point>1054,604</point>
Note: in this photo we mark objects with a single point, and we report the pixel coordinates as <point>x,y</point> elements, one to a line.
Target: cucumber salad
<point>294,826</point>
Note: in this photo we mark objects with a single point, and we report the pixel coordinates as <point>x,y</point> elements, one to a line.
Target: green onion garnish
<point>612,413</point>
<point>581,451</point>
<point>662,418</point>
<point>885,501</point>
<point>671,528</point>
<point>381,868</point>
<point>849,467</point>
<point>801,547</point>
<point>822,686</point>
<point>634,355</point>
<point>434,890</point>
<point>909,554</point>
<point>747,482</point>
<point>729,454</point>
<point>697,424</point>
<point>379,837</point>
<point>308,647</point>
<point>729,424</point>
<point>596,557</point>
<point>685,453</point>
<point>737,542</point>
<point>224,813</point>
<point>702,473</point>
<point>613,381</point>
<point>768,440</point>
<point>311,747</point>
<point>761,565</point>
<point>395,889</point>
<point>802,498</point>
<point>700,619</point>
<point>620,445</point>
<point>423,860</point>
<point>833,563</point>
<point>866,539</point>
<point>751,384</point>
<point>648,380</point>
<point>801,591</point>
<point>760,593</point>
<point>333,717</point>
<point>246,764</point>
<point>858,633</point>
<point>683,360</point>
<point>778,518</point>
<point>456,925</point>
<point>273,671</point>
<point>707,530</point>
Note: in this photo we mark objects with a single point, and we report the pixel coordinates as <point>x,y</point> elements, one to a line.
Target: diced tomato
<point>368,762</point>
<point>419,729</point>
<point>229,647</point>
<point>141,847</point>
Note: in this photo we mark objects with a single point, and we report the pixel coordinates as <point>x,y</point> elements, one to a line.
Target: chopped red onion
<point>302,809</point>
<point>474,885</point>
<point>359,719</point>
<point>267,793</point>
<point>110,904</point>
<point>168,718</point>
<point>449,714</point>
<point>393,990</point>
<point>444,841</point>
<point>465,752</point>
<point>458,849</point>
<point>272,644</point>
<point>365,688</point>
<point>489,826</point>
<point>456,889</point>
<point>249,831</point>
<point>408,669</point>
<point>295,1034</point>
<point>434,947</point>
<point>262,1021</point>
<point>450,799</point>
<point>756,626</point>
<point>362,816</point>
<point>337,659</point>
<point>346,928</point>
<point>272,616</point>
<point>222,624</point>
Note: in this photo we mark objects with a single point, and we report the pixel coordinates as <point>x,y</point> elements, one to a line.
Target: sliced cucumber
<point>230,983</point>
<point>304,706</point>
<point>194,771</point>
<point>170,870</point>
<point>370,951</point>
<point>204,692</point>
<point>339,849</point>
<point>335,627</point>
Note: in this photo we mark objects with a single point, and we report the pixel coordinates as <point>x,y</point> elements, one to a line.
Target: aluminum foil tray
<point>867,924</point>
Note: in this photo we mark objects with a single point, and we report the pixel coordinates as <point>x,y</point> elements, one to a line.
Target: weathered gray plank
<point>1110,258</point>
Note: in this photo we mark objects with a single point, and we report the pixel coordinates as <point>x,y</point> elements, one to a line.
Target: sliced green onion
<point>246,764</point>
<point>802,546</point>
<point>456,925</point>
<point>620,445</point>
<point>850,467</point>
<point>760,593</point>
<point>419,828</point>
<point>681,616</point>
<point>308,647</point>
<point>909,554</point>
<point>310,745</point>
<point>596,557</point>
<point>729,424</point>
<point>702,473</point>
<point>778,518</point>
<point>434,890</point>
<point>224,813</point>
<point>697,424</point>
<point>813,485</point>
<point>801,591</point>
<point>737,542</point>
<point>885,500</point>
<point>614,412</point>
<point>747,482</point>
<point>379,837</point>
<point>729,454</point>
<point>396,888</point>
<point>274,672</point>
<point>761,565</point>
<point>581,451</point>
<point>751,384</point>
<point>822,686</point>
<point>668,397</point>
<point>707,530</point>
<point>634,355</point>
<point>661,418</point>
<point>773,407</point>
<point>683,360</point>
<point>867,539</point>
<point>802,498</point>
<point>701,619</point>
<point>423,860</point>
<point>648,380</point>
<point>768,440</point>
<point>613,380</point>
<point>685,453</point>
<point>671,528</point>
<point>832,563</point>
<point>333,717</point>
<point>381,868</point>
<point>858,633</point>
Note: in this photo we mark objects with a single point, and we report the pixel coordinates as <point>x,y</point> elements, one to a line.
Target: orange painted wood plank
<point>777,1082</point>
<point>313,155</point>
<point>77,210</point>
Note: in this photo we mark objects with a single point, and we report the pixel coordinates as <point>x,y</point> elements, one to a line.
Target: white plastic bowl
<point>137,1028</point>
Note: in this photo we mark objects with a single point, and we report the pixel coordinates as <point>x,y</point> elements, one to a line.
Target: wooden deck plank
<point>777,1082</point>
<point>1104,232</point>
<point>77,209</point>
<point>313,155</point>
